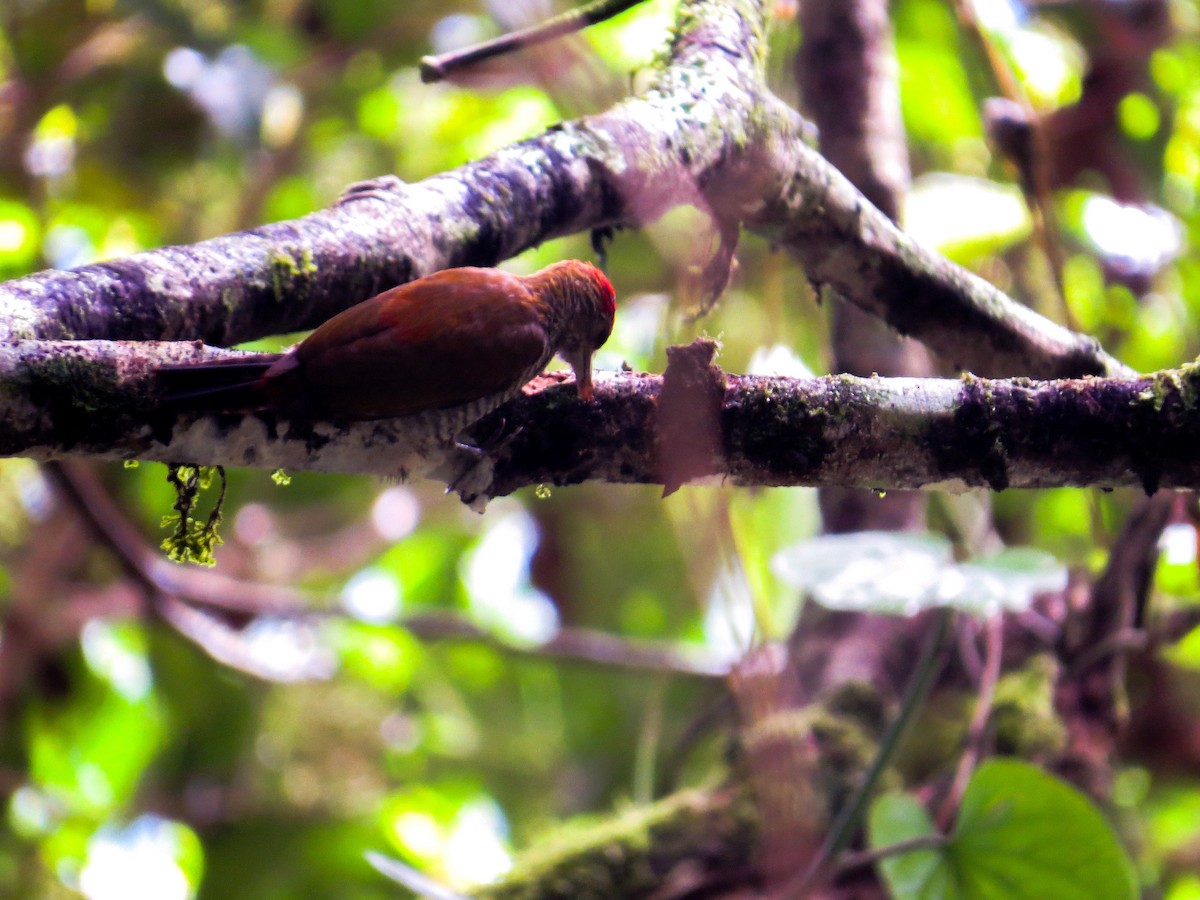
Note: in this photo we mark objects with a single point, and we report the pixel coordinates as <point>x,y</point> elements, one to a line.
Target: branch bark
<point>97,399</point>
<point>848,77</point>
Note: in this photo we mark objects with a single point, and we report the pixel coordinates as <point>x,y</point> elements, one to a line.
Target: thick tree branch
<point>848,77</point>
<point>847,73</point>
<point>96,399</point>
<point>707,132</point>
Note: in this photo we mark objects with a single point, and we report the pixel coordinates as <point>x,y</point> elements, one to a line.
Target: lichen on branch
<point>836,430</point>
<point>193,539</point>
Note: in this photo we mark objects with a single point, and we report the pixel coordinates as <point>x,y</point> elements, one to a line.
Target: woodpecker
<point>448,348</point>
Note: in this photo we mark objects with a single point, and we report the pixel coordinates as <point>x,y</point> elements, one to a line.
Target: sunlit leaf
<point>886,572</point>
<point>1011,577</point>
<point>633,39</point>
<point>20,235</point>
<point>1048,61</point>
<point>870,570</point>
<point>163,858</point>
<point>1135,239</point>
<point>1173,819</point>
<point>496,576</point>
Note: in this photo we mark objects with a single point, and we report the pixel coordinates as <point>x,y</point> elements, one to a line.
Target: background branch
<point>211,609</point>
<point>445,65</point>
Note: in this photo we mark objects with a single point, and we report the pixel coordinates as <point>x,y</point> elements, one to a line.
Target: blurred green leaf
<point>1139,116</point>
<point>1023,832</point>
<point>634,38</point>
<point>1186,887</point>
<point>385,656</point>
<point>379,113</point>
<point>915,875</point>
<point>964,218</point>
<point>1186,652</point>
<point>875,570</point>
<point>1173,819</point>
<point>1010,578</point>
<point>762,525</point>
<point>1020,833</point>
<point>20,237</point>
<point>91,751</point>
<point>935,95</point>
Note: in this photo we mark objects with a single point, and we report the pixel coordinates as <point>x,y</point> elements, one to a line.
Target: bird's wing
<point>442,341</point>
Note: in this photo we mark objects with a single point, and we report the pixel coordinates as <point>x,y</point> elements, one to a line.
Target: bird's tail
<point>228,385</point>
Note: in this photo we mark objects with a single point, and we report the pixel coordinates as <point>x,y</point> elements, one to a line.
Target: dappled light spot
<point>395,513</point>
<point>496,576</point>
<point>372,595</point>
<point>139,862</point>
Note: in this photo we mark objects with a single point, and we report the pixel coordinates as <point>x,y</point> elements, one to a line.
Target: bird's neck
<point>557,296</point>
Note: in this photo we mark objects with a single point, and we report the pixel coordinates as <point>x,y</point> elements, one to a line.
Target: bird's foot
<point>473,476</point>
<point>475,466</point>
<point>491,442</point>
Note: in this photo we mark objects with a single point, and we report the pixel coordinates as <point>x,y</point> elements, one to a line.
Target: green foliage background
<point>448,753</point>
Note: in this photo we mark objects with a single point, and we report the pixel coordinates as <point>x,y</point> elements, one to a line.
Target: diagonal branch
<point>197,602</point>
<point>706,132</point>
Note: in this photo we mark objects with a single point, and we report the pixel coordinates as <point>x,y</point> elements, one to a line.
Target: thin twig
<point>112,529</point>
<point>231,647</point>
<point>440,67</point>
<point>79,486</point>
<point>1089,689</point>
<point>579,645</point>
<point>847,821</point>
<point>648,740</point>
<point>977,730</point>
<point>1174,626</point>
<point>870,857</point>
<point>1117,644</point>
<point>142,563</point>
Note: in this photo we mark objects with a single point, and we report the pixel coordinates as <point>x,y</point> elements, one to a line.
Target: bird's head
<point>582,305</point>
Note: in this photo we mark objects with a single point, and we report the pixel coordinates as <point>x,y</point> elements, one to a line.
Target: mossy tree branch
<point>96,399</point>
<point>706,132</point>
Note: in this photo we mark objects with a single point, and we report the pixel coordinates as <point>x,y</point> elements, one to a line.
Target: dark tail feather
<point>233,385</point>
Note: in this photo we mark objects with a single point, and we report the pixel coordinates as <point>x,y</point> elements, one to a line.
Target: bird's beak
<point>582,364</point>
